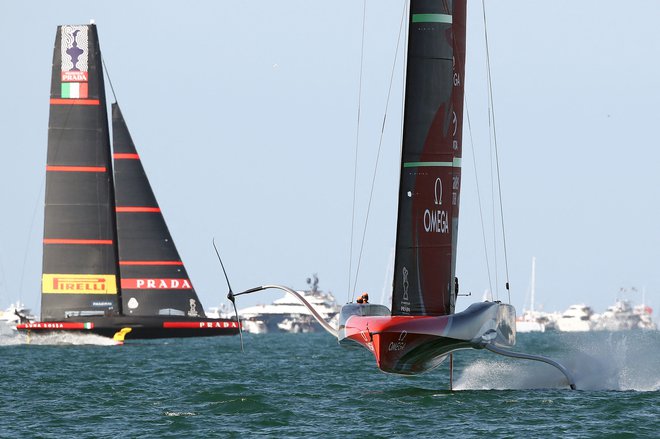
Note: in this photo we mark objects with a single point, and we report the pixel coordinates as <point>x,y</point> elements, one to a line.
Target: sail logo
<point>193,309</point>
<point>156,284</point>
<point>436,220</point>
<point>75,57</point>
<point>405,303</point>
<point>78,284</point>
<point>218,324</point>
<point>405,283</point>
<point>202,325</point>
<point>437,191</point>
<point>399,345</point>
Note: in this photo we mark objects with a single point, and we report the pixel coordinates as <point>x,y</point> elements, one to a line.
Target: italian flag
<point>74,90</point>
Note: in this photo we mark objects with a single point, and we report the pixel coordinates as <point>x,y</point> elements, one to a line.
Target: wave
<point>10,337</point>
<point>620,361</point>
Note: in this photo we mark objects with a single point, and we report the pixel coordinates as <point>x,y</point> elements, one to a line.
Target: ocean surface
<point>305,385</point>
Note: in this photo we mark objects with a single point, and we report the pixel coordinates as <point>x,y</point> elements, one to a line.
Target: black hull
<point>141,327</point>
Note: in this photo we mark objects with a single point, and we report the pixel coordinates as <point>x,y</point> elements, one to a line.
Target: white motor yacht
<point>577,318</point>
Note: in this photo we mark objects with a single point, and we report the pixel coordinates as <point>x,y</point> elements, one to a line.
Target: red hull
<point>414,344</point>
<point>403,344</point>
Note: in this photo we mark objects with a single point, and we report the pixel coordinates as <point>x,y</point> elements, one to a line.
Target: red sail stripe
<point>75,102</point>
<point>76,168</point>
<point>137,209</point>
<point>150,263</point>
<point>126,156</point>
<point>77,241</point>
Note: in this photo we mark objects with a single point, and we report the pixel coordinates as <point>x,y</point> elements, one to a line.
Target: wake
<point>10,337</point>
<point>622,361</point>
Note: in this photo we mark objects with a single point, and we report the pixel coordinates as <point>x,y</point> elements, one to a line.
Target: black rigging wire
<point>380,144</point>
<point>497,160</point>
<point>481,214</point>
<point>357,142</point>
<point>107,73</point>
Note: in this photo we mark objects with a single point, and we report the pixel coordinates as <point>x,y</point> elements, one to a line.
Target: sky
<point>245,117</point>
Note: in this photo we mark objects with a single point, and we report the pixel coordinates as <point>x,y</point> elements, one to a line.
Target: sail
<point>79,257</point>
<point>154,281</point>
<point>427,233</point>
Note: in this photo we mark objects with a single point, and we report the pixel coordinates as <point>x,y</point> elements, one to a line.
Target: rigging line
<point>357,143</point>
<point>492,200</point>
<point>497,159</point>
<point>107,73</point>
<point>380,144</point>
<point>476,177</point>
<point>27,247</point>
<point>494,293</point>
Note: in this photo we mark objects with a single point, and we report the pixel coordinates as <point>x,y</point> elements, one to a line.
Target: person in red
<point>364,298</point>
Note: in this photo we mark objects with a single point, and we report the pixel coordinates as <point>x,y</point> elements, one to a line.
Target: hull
<point>141,328</point>
<point>414,344</point>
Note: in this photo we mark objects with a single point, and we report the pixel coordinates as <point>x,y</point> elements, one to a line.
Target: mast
<point>79,246</point>
<point>429,190</point>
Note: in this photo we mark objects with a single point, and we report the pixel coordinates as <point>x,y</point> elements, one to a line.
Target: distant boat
<point>645,321</point>
<point>577,318</point>
<point>110,266</point>
<point>16,313</point>
<point>622,316</point>
<point>288,314</point>
<point>531,320</point>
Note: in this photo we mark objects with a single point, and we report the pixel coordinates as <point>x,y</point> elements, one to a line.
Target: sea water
<point>305,385</point>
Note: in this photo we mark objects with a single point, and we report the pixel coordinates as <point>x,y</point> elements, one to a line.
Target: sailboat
<point>422,328</point>
<point>531,320</point>
<point>110,266</point>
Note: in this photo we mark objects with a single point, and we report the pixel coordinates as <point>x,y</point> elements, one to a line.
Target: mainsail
<point>427,228</point>
<point>79,246</point>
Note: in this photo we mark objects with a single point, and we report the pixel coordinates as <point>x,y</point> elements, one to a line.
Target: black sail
<point>424,278</point>
<point>154,280</point>
<point>79,254</point>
